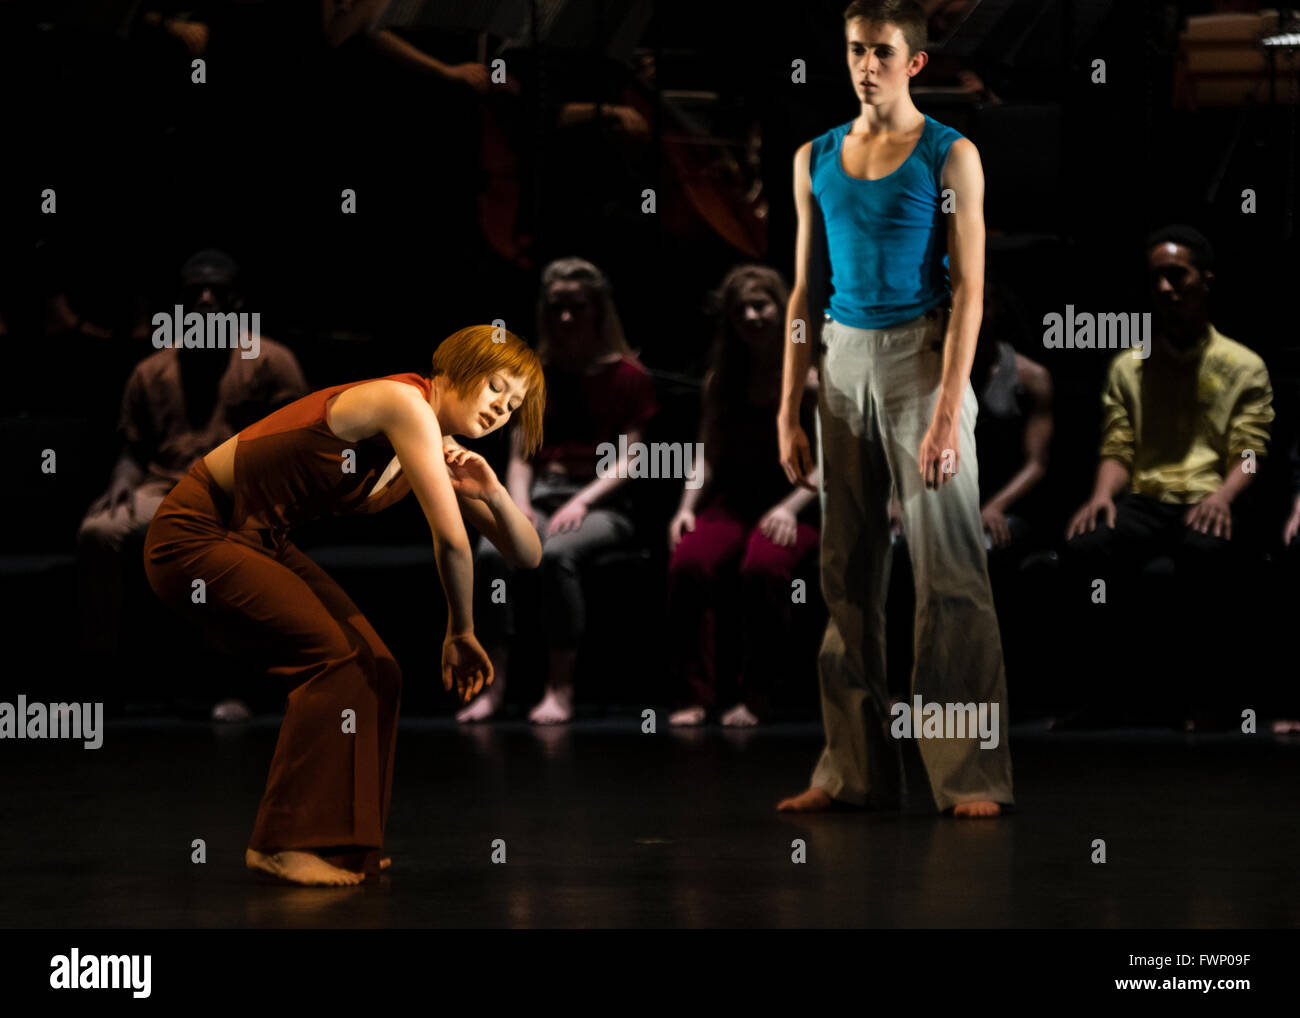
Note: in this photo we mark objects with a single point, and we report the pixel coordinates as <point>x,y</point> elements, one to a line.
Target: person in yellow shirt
<point>1183,433</point>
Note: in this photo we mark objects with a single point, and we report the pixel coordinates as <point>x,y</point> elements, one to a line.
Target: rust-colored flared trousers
<point>269,605</point>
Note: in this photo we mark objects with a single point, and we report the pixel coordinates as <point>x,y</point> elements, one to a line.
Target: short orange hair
<point>469,354</point>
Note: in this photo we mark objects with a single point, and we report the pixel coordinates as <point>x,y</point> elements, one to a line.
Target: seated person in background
<point>598,393</point>
<point>1013,430</point>
<point>1182,431</point>
<point>179,404</point>
<point>1291,529</point>
<point>749,520</point>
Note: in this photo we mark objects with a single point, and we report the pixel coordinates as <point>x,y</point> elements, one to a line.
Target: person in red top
<point>737,539</point>
<point>599,392</point>
<point>218,553</point>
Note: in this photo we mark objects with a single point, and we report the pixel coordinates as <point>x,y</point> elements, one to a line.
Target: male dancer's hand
<point>940,454</point>
<point>796,453</point>
<point>466,665</point>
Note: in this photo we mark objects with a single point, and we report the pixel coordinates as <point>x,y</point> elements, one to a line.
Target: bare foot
<point>484,706</point>
<point>385,862</point>
<point>301,868</point>
<point>982,808</point>
<point>815,800</point>
<point>739,716</point>
<point>555,709</point>
<point>687,716</point>
<point>231,710</point>
<point>1285,727</point>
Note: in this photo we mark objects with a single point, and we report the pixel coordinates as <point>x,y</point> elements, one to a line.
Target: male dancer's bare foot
<point>739,716</point>
<point>555,709</point>
<point>484,706</point>
<point>301,868</point>
<point>982,808</point>
<point>687,716</point>
<point>231,710</point>
<point>815,800</point>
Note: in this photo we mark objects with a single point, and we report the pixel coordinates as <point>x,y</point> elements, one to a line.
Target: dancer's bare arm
<point>795,450</point>
<point>940,453</point>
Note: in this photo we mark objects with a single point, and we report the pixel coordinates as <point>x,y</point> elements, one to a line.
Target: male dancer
<point>895,188</point>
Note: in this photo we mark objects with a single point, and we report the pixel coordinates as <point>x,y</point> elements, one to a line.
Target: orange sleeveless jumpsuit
<point>270,605</point>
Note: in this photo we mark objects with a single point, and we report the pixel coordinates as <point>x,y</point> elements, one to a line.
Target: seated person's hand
<point>1085,520</point>
<point>779,526</point>
<point>895,516</point>
<point>476,76</point>
<point>681,523</point>
<point>1292,527</point>
<point>995,524</point>
<point>568,517</point>
<point>1211,515</point>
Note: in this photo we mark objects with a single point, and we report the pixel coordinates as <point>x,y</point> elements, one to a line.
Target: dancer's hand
<point>940,453</point>
<point>796,453</point>
<point>466,665</point>
<point>470,473</point>
<point>779,525</point>
<point>681,523</point>
<point>1086,518</point>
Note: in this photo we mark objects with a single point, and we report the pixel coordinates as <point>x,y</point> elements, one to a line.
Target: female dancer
<point>742,525</point>
<point>218,553</point>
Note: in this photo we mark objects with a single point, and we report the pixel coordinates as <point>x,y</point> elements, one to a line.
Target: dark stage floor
<point>605,826</point>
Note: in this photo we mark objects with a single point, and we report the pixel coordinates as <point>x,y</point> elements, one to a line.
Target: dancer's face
<point>879,62</point>
<point>489,404</point>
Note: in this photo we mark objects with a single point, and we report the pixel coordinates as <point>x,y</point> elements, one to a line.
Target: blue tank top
<point>887,238</point>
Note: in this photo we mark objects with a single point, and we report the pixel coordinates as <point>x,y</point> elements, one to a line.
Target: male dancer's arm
<point>796,453</point>
<point>940,453</point>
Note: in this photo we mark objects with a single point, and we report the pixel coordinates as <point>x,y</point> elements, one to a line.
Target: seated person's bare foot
<point>484,706</point>
<point>687,716</point>
<point>739,716</point>
<point>301,868</point>
<point>385,862</point>
<point>981,808</point>
<point>814,800</point>
<point>231,710</point>
<point>555,709</point>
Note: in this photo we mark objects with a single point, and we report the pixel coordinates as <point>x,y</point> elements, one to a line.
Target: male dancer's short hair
<point>906,14</point>
<point>1184,236</point>
<point>470,353</point>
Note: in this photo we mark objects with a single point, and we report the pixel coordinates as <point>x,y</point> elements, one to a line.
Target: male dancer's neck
<point>897,117</point>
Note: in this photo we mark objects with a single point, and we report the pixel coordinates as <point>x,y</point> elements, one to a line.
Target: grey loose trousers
<point>878,391</point>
